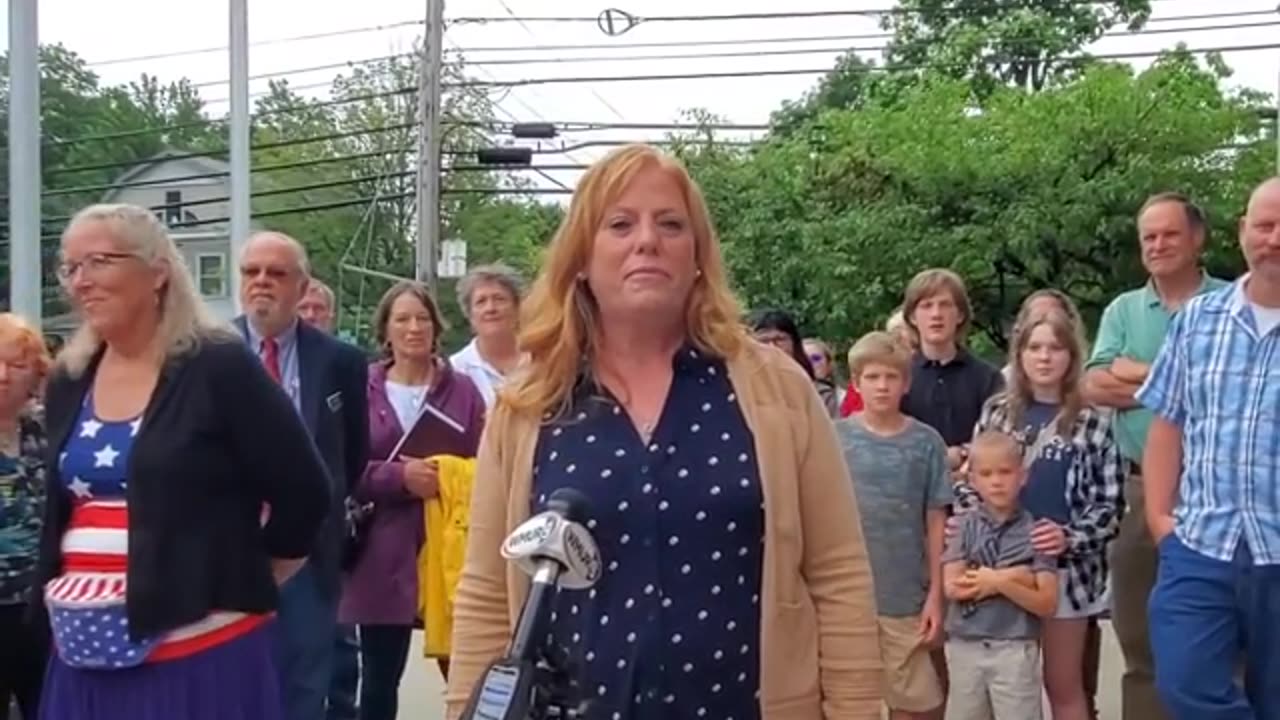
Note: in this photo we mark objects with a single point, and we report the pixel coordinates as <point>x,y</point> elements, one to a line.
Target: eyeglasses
<point>92,264</point>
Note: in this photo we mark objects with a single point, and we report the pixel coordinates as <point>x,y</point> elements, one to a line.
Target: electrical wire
<point>287,190</point>
<point>857,36</point>
<point>745,53</point>
<point>679,43</point>
<point>584,126</point>
<point>307,187</point>
<point>224,150</point>
<point>633,20</point>
<point>355,201</point>
<point>309,105</point>
<point>257,169</point>
<point>820,71</point>
<point>259,43</point>
<point>508,61</point>
<point>566,149</point>
<point>276,213</point>
<point>530,33</point>
<point>310,69</point>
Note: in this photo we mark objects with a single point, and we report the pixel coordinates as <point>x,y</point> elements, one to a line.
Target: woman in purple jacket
<point>381,593</point>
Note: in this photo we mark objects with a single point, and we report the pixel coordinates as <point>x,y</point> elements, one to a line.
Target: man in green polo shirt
<point>1171,233</point>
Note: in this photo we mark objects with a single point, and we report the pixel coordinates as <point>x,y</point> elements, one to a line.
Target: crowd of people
<point>212,520</point>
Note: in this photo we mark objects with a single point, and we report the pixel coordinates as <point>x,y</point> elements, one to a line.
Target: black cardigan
<point>218,439</point>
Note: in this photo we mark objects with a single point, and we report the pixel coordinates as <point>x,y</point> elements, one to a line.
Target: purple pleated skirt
<point>233,681</point>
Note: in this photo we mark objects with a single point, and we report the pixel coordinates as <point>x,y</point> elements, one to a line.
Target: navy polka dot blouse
<point>672,628</point>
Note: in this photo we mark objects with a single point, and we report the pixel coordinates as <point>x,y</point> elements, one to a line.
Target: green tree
<point>1004,42</point>
<point>1032,190</point>
<point>90,134</point>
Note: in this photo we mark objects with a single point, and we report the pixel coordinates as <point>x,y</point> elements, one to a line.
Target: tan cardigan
<point>819,652</point>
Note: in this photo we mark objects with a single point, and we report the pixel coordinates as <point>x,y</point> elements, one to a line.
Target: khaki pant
<point>911,685</point>
<point>995,680</point>
<point>1133,574</point>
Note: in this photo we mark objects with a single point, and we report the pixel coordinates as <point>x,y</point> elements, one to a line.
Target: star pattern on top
<point>106,457</point>
<point>81,488</point>
<point>95,458</point>
<point>89,428</point>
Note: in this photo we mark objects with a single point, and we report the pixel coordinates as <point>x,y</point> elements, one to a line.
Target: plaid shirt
<point>1219,380</point>
<point>1095,495</point>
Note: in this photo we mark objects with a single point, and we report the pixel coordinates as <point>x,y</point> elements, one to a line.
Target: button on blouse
<point>672,628</point>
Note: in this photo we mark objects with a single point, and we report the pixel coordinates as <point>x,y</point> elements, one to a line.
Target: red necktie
<point>271,358</point>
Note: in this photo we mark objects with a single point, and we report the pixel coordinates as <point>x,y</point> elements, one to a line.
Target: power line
<point>329,184</point>
<point>566,149</point>
<point>531,34</point>
<point>310,69</point>
<point>590,126</point>
<point>287,190</point>
<point>768,53</point>
<point>338,204</point>
<point>820,71</point>
<point>257,169</point>
<point>260,43</point>
<point>309,105</point>
<point>284,211</point>
<point>694,43</point>
<point>506,61</point>
<point>734,54</point>
<point>857,36</point>
<point>223,150</point>
<point>615,16</point>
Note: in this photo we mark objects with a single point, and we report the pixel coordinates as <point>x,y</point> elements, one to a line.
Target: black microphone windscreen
<point>570,503</point>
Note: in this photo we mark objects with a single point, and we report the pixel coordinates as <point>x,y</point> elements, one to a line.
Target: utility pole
<point>25,292</point>
<point>429,170</point>
<point>239,140</point>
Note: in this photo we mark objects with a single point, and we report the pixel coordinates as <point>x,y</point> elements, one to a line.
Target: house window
<point>172,207</point>
<point>211,274</point>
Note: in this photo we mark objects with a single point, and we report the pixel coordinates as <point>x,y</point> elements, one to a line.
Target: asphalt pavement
<point>421,689</point>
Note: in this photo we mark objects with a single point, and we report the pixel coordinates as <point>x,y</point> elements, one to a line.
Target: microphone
<point>557,551</point>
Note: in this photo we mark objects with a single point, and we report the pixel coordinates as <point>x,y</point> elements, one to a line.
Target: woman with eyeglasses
<point>158,567</point>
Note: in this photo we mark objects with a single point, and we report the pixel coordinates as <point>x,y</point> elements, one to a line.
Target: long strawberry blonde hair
<point>560,319</point>
<point>1067,333</point>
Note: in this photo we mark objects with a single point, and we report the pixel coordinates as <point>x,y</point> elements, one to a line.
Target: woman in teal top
<point>23,363</point>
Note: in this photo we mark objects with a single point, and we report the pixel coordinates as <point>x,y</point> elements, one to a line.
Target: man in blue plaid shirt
<point>1212,466</point>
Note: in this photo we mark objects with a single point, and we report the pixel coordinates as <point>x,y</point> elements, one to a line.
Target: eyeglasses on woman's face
<point>92,265</point>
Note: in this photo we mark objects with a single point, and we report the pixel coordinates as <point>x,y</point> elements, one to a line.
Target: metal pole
<point>25,294</point>
<point>239,140</point>
<point>428,245</point>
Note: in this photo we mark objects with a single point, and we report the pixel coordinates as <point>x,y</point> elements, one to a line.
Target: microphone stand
<point>551,690</point>
<point>533,681</point>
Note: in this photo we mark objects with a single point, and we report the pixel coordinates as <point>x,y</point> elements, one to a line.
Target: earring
<point>697,273</point>
<point>582,277</point>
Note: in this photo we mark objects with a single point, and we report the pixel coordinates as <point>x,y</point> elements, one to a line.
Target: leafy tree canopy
<point>1029,190</point>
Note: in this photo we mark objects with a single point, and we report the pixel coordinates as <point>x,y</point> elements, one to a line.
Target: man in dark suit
<point>317,308</point>
<point>326,379</point>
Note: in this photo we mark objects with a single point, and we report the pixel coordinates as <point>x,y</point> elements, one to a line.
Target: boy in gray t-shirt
<point>999,587</point>
<point>899,469</point>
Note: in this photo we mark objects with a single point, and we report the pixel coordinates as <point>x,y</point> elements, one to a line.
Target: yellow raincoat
<point>440,562</point>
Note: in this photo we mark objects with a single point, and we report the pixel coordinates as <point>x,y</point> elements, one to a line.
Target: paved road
<point>421,689</point>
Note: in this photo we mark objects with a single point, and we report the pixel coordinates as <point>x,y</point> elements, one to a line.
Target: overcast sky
<point>105,31</point>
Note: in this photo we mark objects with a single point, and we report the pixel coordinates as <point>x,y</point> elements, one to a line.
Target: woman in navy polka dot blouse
<point>735,581</point>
